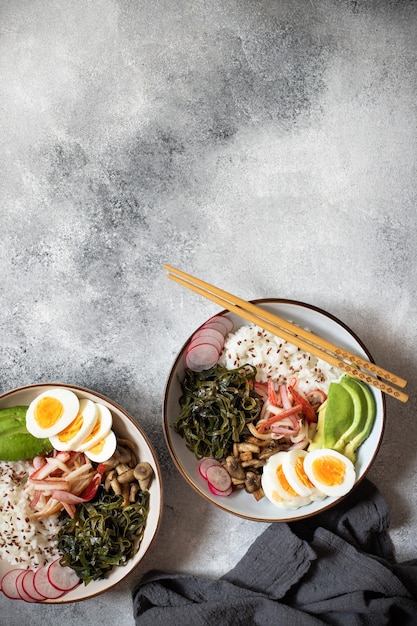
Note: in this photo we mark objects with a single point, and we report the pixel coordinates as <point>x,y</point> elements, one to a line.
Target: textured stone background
<point>266,146</point>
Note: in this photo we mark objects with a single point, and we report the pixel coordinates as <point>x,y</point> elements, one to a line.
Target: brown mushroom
<point>252,482</point>
<point>143,473</point>
<point>234,468</point>
<point>126,476</point>
<point>116,486</point>
<point>109,476</point>
<point>133,491</point>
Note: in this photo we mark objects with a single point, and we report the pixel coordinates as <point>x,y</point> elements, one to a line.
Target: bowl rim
<point>80,389</point>
<point>166,425</point>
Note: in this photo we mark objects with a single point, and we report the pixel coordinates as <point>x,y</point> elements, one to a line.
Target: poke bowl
<point>121,521</point>
<point>270,364</point>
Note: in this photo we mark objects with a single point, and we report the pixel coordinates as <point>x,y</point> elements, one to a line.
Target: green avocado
<point>21,446</point>
<point>335,416</point>
<point>16,443</point>
<point>360,411</point>
<point>346,418</point>
<point>368,422</point>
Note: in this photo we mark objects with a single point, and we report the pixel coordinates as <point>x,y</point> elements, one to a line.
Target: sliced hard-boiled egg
<point>103,449</point>
<point>276,486</point>
<point>293,468</point>
<point>101,428</point>
<point>51,412</point>
<point>80,427</point>
<point>330,471</point>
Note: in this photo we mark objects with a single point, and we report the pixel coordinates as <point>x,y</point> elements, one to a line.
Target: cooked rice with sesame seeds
<point>277,359</point>
<point>23,541</point>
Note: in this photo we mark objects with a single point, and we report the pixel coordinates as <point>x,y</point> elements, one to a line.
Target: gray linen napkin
<point>335,568</point>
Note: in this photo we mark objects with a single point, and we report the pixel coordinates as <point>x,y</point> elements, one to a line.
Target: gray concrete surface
<point>266,146</point>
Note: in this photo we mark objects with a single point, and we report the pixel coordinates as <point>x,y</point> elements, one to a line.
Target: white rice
<point>24,542</point>
<point>276,359</point>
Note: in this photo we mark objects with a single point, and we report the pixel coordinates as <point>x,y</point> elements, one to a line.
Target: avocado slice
<point>359,438</point>
<point>335,416</point>
<point>360,406</point>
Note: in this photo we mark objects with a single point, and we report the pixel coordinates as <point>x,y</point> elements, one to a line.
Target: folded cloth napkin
<point>337,567</point>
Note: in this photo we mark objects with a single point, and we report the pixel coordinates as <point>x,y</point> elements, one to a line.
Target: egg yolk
<point>301,475</point>
<point>329,470</point>
<point>48,411</point>
<point>98,447</point>
<point>284,482</point>
<point>93,432</point>
<point>68,433</point>
<point>276,496</point>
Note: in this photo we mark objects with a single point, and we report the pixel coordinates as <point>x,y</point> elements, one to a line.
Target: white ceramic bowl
<point>241,503</point>
<point>126,427</point>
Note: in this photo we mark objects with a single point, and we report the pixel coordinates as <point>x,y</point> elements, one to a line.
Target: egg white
<point>333,458</point>
<point>87,417</point>
<point>101,428</point>
<point>293,467</point>
<point>69,405</point>
<point>103,449</point>
<point>276,491</point>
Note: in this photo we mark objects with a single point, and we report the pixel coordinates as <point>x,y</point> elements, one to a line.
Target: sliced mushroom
<point>116,486</point>
<point>108,479</point>
<point>121,468</point>
<point>125,494</point>
<point>234,468</point>
<point>248,447</point>
<point>252,482</point>
<point>133,492</point>
<point>126,477</point>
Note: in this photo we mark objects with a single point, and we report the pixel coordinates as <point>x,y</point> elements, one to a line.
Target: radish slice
<point>29,588</point>
<point>201,357</point>
<point>20,590</point>
<point>205,464</point>
<point>8,583</point>
<point>208,335</point>
<point>209,332</point>
<point>62,578</point>
<point>218,325</point>
<point>226,321</point>
<point>44,587</point>
<point>219,478</point>
<point>218,492</point>
<point>200,340</point>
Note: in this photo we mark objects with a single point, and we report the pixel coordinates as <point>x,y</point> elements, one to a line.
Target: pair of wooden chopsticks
<point>346,361</point>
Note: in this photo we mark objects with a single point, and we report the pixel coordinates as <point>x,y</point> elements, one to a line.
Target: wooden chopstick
<point>319,347</point>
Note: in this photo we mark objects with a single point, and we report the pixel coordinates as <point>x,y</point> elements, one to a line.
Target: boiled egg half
<point>51,411</point>
<point>103,449</point>
<point>76,432</point>
<point>330,471</point>
<point>101,428</point>
<point>276,486</point>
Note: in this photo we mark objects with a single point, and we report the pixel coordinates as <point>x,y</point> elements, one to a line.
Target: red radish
<point>219,478</point>
<point>218,492</point>
<point>201,340</point>
<point>209,332</point>
<point>8,583</point>
<point>28,586</point>
<point>206,339</point>
<point>201,357</point>
<point>205,464</point>
<point>43,586</point>
<point>62,578</point>
<point>218,325</point>
<point>226,321</point>
<point>20,590</point>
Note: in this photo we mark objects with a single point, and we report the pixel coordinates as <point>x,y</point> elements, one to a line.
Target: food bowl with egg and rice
<point>29,539</point>
<point>276,359</point>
